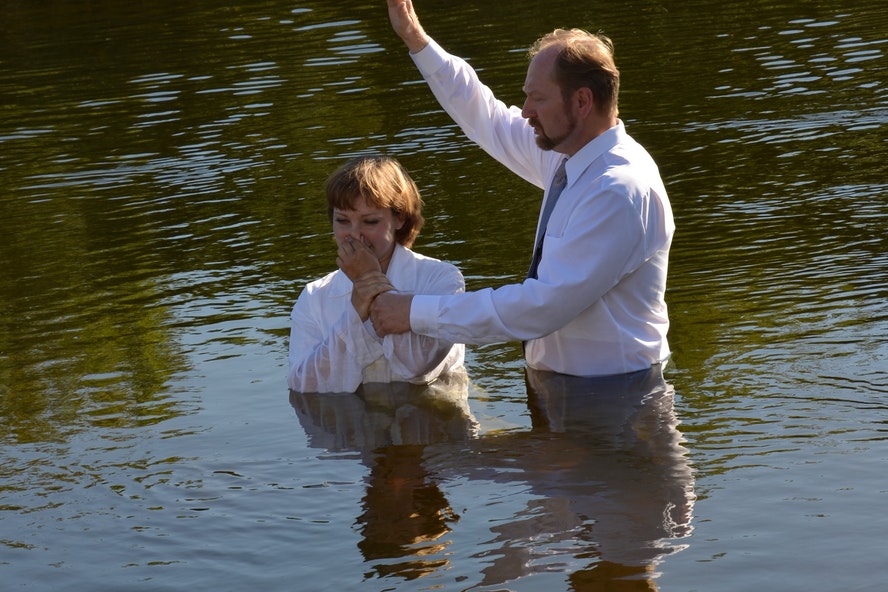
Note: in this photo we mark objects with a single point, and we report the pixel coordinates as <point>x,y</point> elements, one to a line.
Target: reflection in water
<point>610,482</point>
<point>607,453</point>
<point>405,516</point>
<point>381,415</point>
<point>405,511</point>
<point>610,487</point>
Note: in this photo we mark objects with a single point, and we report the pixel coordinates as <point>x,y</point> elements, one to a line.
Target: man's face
<point>545,109</point>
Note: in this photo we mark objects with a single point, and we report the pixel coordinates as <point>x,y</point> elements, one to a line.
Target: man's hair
<point>584,60</point>
<point>384,183</point>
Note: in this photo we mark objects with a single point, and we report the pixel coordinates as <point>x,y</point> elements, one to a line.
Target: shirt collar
<point>586,155</point>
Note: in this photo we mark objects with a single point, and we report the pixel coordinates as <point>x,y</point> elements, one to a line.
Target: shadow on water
<point>595,494</point>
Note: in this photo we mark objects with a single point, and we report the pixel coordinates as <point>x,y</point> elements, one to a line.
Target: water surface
<point>162,208</point>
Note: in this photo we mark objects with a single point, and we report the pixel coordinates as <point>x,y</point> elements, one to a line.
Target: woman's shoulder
<point>413,272</point>
<point>331,284</point>
<point>411,257</point>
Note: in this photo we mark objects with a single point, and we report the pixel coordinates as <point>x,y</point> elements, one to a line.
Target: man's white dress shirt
<point>597,307</point>
<point>332,350</point>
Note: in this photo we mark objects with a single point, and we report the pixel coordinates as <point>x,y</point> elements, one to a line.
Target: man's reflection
<point>405,513</point>
<point>610,481</point>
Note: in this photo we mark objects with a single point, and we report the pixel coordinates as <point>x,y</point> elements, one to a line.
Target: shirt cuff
<point>424,314</point>
<point>364,344</point>
<point>371,332</point>
<point>430,57</point>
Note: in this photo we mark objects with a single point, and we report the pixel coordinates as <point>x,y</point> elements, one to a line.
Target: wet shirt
<point>332,350</point>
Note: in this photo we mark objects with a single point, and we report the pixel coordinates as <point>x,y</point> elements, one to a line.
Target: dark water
<point>161,169</point>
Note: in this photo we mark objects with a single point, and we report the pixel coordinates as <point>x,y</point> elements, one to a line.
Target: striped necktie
<point>558,183</point>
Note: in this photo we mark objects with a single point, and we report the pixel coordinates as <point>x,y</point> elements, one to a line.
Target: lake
<point>162,169</point>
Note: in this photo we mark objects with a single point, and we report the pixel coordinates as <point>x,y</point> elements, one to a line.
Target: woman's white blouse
<point>332,350</point>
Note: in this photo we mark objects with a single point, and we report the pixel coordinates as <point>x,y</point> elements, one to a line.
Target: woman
<point>376,212</point>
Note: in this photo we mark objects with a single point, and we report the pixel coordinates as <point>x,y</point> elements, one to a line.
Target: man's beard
<point>545,142</point>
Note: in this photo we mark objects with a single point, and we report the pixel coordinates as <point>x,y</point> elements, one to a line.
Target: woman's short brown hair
<point>384,183</point>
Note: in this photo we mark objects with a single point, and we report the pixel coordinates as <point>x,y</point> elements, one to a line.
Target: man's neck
<point>594,127</point>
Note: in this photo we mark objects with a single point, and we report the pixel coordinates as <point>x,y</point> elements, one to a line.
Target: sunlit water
<point>162,173</point>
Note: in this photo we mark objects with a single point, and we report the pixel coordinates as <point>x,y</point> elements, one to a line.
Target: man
<point>593,303</point>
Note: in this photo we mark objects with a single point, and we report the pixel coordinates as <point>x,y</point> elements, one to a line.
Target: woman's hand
<point>365,290</point>
<point>355,259</point>
<point>362,267</point>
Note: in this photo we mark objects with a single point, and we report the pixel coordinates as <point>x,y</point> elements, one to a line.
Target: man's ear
<point>584,100</point>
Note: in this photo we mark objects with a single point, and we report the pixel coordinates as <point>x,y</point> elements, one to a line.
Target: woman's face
<point>373,226</point>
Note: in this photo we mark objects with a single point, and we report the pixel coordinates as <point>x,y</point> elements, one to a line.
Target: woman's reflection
<point>391,425</point>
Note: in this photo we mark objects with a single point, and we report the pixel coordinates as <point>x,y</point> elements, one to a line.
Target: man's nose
<point>526,111</point>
